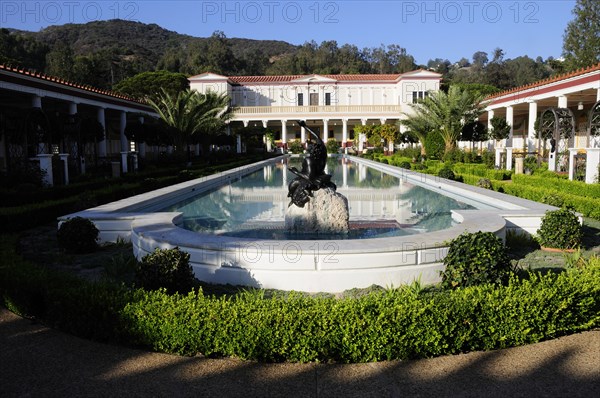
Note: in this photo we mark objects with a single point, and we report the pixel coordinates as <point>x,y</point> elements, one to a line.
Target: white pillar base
<point>591,165</point>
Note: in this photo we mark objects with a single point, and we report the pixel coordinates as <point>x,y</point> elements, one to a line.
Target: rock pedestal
<point>325,212</point>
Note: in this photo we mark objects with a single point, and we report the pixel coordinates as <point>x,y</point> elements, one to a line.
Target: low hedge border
<point>383,325</point>
<point>28,215</point>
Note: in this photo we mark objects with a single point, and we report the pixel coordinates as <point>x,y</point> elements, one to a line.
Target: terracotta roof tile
<point>548,80</point>
<point>55,79</point>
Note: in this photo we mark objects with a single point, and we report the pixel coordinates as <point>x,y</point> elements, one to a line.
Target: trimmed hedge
<point>382,325</point>
<point>29,215</point>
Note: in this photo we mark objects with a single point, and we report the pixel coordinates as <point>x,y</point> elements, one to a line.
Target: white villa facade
<point>331,105</point>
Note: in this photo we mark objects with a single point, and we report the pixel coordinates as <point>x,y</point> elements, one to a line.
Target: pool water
<point>381,205</point>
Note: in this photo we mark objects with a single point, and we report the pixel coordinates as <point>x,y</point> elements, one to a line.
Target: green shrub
<point>419,166</point>
<point>475,258</point>
<point>388,324</point>
<point>295,146</point>
<point>435,145</point>
<point>488,158</point>
<point>447,173</point>
<point>560,229</point>
<point>78,235</point>
<point>404,165</point>
<point>332,146</point>
<point>553,199</point>
<point>166,268</point>
<point>485,183</point>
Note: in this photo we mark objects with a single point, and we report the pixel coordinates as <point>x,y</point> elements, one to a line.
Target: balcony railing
<point>326,109</point>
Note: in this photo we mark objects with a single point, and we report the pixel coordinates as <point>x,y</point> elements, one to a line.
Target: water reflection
<point>380,204</point>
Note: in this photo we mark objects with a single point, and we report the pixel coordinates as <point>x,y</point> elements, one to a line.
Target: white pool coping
<point>311,265</point>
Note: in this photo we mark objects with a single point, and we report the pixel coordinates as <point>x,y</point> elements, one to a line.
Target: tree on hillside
<point>192,114</point>
<point>447,112</point>
<point>60,62</point>
<point>581,41</point>
<point>149,84</point>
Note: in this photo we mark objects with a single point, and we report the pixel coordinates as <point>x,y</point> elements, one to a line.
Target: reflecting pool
<point>254,205</point>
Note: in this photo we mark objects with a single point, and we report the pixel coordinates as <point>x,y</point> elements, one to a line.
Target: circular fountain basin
<point>275,260</point>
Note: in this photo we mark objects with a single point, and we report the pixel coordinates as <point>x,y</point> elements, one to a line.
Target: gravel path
<point>36,361</point>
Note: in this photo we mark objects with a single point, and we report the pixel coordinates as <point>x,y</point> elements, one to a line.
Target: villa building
<point>568,109</point>
<point>331,105</point>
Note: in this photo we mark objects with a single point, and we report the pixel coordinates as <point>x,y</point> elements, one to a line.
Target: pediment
<point>208,76</point>
<point>421,74</point>
<point>314,79</point>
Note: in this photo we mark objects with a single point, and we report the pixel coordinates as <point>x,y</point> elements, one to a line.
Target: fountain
<point>315,206</point>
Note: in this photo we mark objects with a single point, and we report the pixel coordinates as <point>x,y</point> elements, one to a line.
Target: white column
<point>122,125</point>
<point>302,135</point>
<point>102,144</point>
<point>46,165</point>
<point>142,146</point>
<point>238,143</point>
<point>562,101</point>
<point>597,94</point>
<point>325,130</point>
<point>509,152</point>
<point>591,165</point>
<point>531,134</point>
<point>572,154</point>
<point>344,134</point>
<point>510,122</point>
<point>284,131</point>
<point>36,101</point>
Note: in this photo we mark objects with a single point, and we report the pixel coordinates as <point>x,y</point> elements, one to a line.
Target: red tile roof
<point>549,80</point>
<point>289,78</point>
<point>64,82</point>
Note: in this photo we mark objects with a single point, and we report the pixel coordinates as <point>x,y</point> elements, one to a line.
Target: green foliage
<point>581,45</point>
<point>560,229</point>
<point>166,268</point>
<point>553,199</point>
<point>332,146</point>
<point>447,173</point>
<point>149,84</point>
<point>474,259</point>
<point>445,112</point>
<point>392,324</point>
<point>405,165</point>
<point>78,235</point>
<point>500,128</point>
<point>435,145</point>
<point>295,146</point>
<point>485,183</point>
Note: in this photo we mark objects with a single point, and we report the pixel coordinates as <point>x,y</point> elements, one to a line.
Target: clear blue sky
<point>427,29</point>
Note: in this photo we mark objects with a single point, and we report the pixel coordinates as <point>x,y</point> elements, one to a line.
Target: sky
<point>427,29</point>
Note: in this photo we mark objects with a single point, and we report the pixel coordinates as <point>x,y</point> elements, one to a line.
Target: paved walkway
<point>36,361</point>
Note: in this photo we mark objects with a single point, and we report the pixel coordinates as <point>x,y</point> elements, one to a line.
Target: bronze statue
<point>312,176</point>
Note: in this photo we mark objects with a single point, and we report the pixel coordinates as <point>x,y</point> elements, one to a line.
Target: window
<point>418,96</point>
<point>314,99</point>
<point>327,98</point>
<point>300,99</point>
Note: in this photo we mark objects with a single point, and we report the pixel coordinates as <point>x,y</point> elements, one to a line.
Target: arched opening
<point>556,129</point>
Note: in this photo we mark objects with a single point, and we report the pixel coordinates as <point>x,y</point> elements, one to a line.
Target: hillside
<point>147,43</point>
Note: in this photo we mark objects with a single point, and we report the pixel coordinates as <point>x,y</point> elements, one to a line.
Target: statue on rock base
<point>327,210</point>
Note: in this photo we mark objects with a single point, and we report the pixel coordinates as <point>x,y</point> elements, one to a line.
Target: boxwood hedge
<point>382,325</point>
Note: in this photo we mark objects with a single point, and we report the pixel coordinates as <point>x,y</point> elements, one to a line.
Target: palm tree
<point>192,114</point>
<point>418,126</point>
<point>446,113</point>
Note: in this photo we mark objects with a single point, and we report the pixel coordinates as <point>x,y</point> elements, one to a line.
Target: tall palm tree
<point>418,126</point>
<point>191,114</point>
<point>447,112</point>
